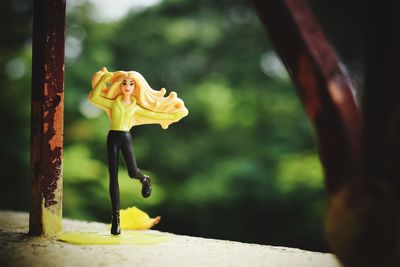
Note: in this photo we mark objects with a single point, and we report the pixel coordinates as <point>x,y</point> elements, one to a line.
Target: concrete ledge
<point>18,249</point>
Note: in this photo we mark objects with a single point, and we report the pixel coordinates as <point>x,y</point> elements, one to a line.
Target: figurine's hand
<point>180,115</point>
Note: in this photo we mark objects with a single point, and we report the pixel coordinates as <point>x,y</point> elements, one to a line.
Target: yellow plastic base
<point>126,237</point>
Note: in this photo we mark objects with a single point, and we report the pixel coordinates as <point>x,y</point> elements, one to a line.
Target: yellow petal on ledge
<point>136,219</point>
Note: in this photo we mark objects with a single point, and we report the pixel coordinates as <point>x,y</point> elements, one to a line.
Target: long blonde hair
<point>145,96</point>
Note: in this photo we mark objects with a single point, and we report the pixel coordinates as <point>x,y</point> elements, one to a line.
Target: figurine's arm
<point>95,96</point>
<point>158,116</point>
<point>153,115</point>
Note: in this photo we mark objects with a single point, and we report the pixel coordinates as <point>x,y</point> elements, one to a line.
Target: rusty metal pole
<point>47,117</point>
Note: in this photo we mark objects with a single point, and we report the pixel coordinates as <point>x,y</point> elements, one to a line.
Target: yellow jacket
<point>123,116</point>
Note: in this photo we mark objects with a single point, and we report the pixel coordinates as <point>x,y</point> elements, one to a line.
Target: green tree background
<point>242,166</point>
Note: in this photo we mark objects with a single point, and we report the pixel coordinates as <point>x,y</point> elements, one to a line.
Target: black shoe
<point>146,186</point>
<point>115,228</point>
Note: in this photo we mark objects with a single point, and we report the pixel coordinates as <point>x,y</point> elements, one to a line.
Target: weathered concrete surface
<point>18,249</point>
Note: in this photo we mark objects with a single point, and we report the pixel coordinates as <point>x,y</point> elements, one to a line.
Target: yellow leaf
<point>135,219</point>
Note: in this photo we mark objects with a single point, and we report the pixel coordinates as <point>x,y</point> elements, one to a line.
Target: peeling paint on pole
<point>47,117</point>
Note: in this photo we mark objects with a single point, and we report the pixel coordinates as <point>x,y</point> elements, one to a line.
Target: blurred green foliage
<point>243,164</point>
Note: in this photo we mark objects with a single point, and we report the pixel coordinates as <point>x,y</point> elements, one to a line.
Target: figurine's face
<point>127,86</point>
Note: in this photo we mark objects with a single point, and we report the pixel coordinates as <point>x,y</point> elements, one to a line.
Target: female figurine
<point>129,101</point>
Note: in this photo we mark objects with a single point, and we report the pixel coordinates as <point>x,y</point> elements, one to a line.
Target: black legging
<point>117,140</point>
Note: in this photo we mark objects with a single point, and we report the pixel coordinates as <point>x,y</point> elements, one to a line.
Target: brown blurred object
<point>360,155</point>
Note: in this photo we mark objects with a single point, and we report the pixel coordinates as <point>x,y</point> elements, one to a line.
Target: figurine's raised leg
<point>133,170</point>
<point>113,153</point>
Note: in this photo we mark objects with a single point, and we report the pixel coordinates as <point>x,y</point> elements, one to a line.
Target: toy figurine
<point>129,101</point>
